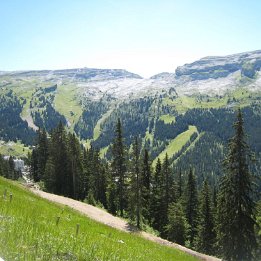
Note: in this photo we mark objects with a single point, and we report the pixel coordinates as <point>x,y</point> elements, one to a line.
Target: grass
<point>66,103</point>
<point>97,128</point>
<point>240,96</point>
<point>167,118</point>
<point>149,136</point>
<point>29,231</point>
<point>184,103</point>
<point>176,144</point>
<point>16,149</point>
<point>191,146</point>
<point>103,151</point>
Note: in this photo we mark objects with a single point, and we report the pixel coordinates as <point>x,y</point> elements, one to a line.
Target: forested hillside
<point>192,128</point>
<point>160,152</point>
<point>179,204</point>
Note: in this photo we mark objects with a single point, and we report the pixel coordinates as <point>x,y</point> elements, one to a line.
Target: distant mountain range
<point>185,113</point>
<point>209,75</point>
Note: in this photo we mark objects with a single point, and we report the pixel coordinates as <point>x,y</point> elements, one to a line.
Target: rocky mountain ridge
<point>221,66</point>
<point>212,75</point>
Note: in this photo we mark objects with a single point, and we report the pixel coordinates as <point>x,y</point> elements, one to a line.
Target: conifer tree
<point>118,166</point>
<point>86,173</point>
<point>236,220</point>
<point>111,194</point>
<point>157,197</point>
<point>11,170</point>
<point>34,166</point>
<point>49,175</point>
<point>177,225</point>
<point>179,184</point>
<point>206,234</point>
<point>136,186</point>
<point>191,206</point>
<point>59,153</point>
<point>146,185</point>
<point>99,179</point>
<point>75,166</point>
<point>42,152</point>
<point>166,192</point>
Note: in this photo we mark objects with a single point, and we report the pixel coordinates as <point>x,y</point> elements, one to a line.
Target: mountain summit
<point>221,66</point>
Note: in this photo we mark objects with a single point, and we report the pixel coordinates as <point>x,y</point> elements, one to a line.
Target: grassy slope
<point>14,149</point>
<point>97,128</point>
<point>103,151</point>
<point>66,103</point>
<point>167,118</point>
<point>29,232</point>
<point>241,96</point>
<point>176,144</point>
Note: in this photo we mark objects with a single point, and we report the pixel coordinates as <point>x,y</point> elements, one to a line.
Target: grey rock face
<point>164,76</point>
<point>81,74</point>
<point>221,66</point>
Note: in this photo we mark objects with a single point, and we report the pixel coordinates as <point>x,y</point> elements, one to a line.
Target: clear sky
<point>142,36</point>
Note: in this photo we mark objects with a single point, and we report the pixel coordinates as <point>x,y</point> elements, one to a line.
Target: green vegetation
<point>16,149</point>
<point>149,136</point>
<point>26,108</point>
<point>30,230</point>
<point>67,104</point>
<point>167,118</point>
<point>184,103</point>
<point>103,151</point>
<point>97,128</point>
<point>241,96</point>
<point>176,144</point>
<point>236,206</point>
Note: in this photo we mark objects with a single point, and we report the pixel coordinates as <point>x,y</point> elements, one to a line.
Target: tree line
<point>7,168</point>
<point>218,221</point>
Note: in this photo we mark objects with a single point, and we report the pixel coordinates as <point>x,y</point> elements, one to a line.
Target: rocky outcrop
<point>164,76</point>
<point>221,66</point>
<point>80,73</point>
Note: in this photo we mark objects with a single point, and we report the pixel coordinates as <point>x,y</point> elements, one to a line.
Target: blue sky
<point>145,37</point>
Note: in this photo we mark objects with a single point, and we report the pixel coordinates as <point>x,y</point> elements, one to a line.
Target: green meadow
<point>32,228</point>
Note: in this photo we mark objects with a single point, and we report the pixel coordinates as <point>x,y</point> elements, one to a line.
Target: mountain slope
<point>47,231</point>
<point>89,101</point>
<point>104,217</point>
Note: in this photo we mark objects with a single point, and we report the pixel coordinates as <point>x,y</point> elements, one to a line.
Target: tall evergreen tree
<point>75,166</point>
<point>206,234</point>
<point>146,185</point>
<point>191,206</point>
<point>177,225</point>
<point>166,192</point>
<point>34,165</point>
<point>42,152</point>
<point>157,197</point>
<point>179,184</point>
<point>49,175</point>
<point>99,177</point>
<point>11,168</point>
<point>236,220</point>
<point>111,194</point>
<point>59,154</point>
<point>118,166</point>
<point>136,187</point>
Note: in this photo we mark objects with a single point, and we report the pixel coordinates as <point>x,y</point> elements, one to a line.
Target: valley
<point>89,101</point>
<point>137,147</point>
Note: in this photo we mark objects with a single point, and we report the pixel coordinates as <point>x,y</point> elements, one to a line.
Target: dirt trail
<point>115,222</point>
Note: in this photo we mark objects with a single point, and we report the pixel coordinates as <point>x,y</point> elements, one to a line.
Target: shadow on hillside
<point>131,228</point>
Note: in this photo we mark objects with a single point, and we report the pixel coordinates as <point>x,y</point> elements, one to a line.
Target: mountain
<point>248,64</point>
<point>217,74</point>
<point>185,114</point>
<point>43,230</point>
